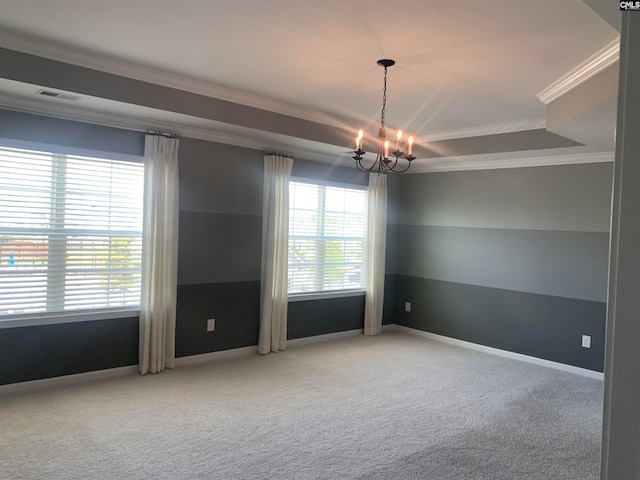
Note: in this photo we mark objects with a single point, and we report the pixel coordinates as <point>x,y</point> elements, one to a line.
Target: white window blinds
<point>70,232</point>
<point>327,235</point>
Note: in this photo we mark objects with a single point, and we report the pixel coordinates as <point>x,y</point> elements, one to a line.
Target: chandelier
<point>382,163</point>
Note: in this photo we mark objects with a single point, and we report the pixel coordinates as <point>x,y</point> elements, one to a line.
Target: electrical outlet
<point>586,341</point>
<point>407,306</point>
<point>211,325</point>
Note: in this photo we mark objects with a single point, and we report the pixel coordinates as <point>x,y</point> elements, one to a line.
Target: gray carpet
<point>389,407</point>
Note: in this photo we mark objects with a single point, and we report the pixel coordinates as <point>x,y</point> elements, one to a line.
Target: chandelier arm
<point>381,163</point>
<point>401,171</point>
<point>362,168</point>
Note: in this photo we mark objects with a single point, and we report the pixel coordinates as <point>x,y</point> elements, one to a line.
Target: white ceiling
<point>462,66</point>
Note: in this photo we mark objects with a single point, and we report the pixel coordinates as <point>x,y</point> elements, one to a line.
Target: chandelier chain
<point>384,97</point>
<point>383,164</point>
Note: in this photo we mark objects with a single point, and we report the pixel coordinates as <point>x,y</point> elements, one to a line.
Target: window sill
<point>55,318</point>
<point>301,297</point>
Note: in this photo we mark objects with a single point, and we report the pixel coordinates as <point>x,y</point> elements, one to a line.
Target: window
<point>327,238</point>
<point>70,232</point>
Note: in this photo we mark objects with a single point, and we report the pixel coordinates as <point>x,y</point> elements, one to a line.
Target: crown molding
<point>324,153</point>
<point>249,138</point>
<point>461,164</point>
<point>54,51</point>
<point>492,129</point>
<point>591,66</point>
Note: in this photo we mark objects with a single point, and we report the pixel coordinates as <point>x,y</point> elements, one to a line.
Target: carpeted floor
<point>388,407</point>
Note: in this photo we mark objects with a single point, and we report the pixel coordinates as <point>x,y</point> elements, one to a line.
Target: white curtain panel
<point>376,246</point>
<point>275,251</point>
<point>159,254</point>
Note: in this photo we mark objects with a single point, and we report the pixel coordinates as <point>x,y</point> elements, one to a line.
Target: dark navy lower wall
<point>235,307</point>
<point>542,326</point>
<point>45,351</point>
<point>318,317</point>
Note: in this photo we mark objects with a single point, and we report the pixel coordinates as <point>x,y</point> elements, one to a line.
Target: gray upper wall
<point>563,264</point>
<point>329,173</point>
<point>35,128</point>
<point>220,178</point>
<point>563,197</point>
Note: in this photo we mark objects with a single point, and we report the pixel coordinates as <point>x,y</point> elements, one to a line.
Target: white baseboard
<point>331,336</point>
<point>502,353</point>
<point>296,342</point>
<point>67,380</point>
<point>207,357</point>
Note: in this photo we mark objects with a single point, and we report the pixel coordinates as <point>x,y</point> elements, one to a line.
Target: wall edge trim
<point>593,65</point>
<point>502,353</point>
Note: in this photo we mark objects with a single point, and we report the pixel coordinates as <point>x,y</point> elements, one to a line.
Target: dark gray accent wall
<point>542,326</point>
<point>235,307</point>
<point>32,353</point>
<point>319,317</point>
<point>515,259</point>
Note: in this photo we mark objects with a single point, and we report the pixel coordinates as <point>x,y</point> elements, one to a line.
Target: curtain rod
<point>162,134</point>
<point>270,152</point>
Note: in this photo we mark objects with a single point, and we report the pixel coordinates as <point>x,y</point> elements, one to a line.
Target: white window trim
<point>302,297</point>
<point>57,318</point>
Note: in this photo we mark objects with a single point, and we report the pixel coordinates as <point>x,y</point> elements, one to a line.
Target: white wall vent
<point>61,96</point>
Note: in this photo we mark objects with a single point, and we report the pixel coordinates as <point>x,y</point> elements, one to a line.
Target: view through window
<point>327,238</point>
<point>70,232</point>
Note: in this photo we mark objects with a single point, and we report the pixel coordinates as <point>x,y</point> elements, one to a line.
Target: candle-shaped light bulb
<point>398,138</point>
<point>386,149</point>
<point>410,145</point>
<point>359,139</point>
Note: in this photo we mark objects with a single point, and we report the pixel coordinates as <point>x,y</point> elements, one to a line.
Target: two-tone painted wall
<point>218,260</point>
<point>514,259</point>
<point>44,351</point>
<point>220,248</point>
